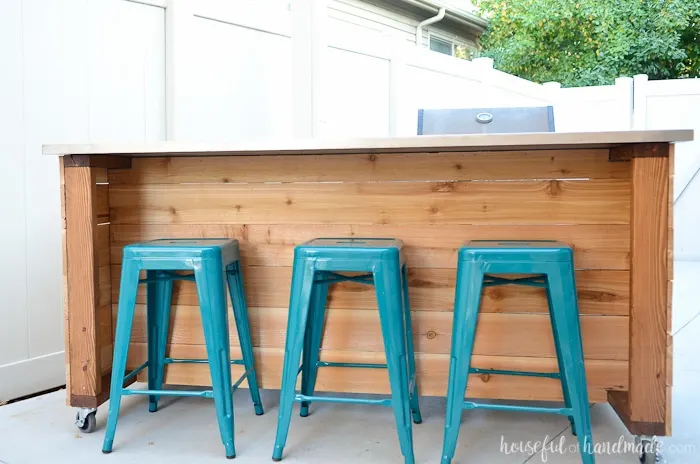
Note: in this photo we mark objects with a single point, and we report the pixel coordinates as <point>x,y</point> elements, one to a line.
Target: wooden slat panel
<point>429,246</point>
<point>106,355</point>
<point>431,372</point>
<point>599,292</point>
<point>669,295</point>
<point>66,314</point>
<point>546,202</point>
<point>670,246</point>
<point>605,337</point>
<point>104,286</point>
<point>551,164</point>
<point>103,245</point>
<point>104,319</point>
<point>648,325</point>
<point>102,203</point>
<point>82,274</point>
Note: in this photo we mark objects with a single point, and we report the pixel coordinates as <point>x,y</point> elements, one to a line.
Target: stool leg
<point>312,341</point>
<point>212,301</point>
<point>387,280</point>
<point>128,288</point>
<point>560,361</point>
<point>469,282</point>
<point>412,380</point>
<point>562,288</point>
<point>299,302</point>
<point>158,297</point>
<point>240,314</point>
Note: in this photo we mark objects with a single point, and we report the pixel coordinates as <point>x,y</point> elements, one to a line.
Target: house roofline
<point>472,22</point>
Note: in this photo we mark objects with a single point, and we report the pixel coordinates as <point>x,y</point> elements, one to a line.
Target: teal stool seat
<point>551,267</point>
<point>317,264</point>
<point>213,262</point>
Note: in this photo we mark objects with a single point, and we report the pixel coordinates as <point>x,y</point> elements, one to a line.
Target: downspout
<point>435,19</point>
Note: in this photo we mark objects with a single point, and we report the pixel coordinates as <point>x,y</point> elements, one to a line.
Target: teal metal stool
<point>552,267</point>
<point>213,261</point>
<point>317,265</point>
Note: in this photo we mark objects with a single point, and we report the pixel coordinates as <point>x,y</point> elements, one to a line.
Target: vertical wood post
<point>87,298</point>
<point>82,274</point>
<point>645,407</point>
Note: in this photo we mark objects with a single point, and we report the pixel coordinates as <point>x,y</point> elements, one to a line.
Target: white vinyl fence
<point>225,70</point>
<point>71,71</point>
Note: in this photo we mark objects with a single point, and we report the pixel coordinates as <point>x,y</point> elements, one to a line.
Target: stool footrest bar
<point>135,371</point>
<point>549,375</point>
<point>331,399</point>
<point>197,361</point>
<point>334,278</point>
<point>203,394</point>
<point>360,365</point>
<point>536,281</point>
<point>508,407</point>
<point>241,379</point>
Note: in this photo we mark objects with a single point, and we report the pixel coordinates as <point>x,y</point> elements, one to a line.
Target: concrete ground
<point>41,430</point>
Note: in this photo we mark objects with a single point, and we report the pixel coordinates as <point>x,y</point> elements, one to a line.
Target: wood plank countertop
<point>609,195</point>
<point>414,144</point>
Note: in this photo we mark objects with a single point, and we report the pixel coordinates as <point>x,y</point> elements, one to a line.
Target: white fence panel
<point>507,90</point>
<point>675,104</point>
<point>235,73</point>
<point>13,290</point>
<point>356,102</point>
<point>672,104</point>
<point>81,76</point>
<point>598,108</point>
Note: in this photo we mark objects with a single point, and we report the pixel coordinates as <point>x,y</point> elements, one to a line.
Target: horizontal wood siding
<point>434,202</point>
<point>432,373</point>
<point>600,292</point>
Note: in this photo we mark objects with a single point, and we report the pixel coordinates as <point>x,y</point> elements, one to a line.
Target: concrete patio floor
<point>41,430</point>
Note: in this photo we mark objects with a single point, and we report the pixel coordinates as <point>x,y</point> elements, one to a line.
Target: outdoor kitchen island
<point>606,194</point>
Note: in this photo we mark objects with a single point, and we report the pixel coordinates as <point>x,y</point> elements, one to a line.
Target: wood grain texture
<point>669,294</point>
<point>548,202</point>
<point>103,245</point>
<point>431,373</point>
<point>649,287</point>
<point>81,207</point>
<point>498,334</point>
<point>101,203</point>
<point>426,245</point>
<point>104,292</point>
<point>97,161</point>
<point>671,196</point>
<point>549,164</point>
<point>271,204</point>
<point>64,263</point>
<point>599,292</point>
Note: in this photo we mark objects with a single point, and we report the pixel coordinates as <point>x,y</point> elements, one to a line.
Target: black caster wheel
<point>89,422</point>
<point>649,450</point>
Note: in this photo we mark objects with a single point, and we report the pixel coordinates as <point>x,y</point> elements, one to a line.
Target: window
<point>441,46</point>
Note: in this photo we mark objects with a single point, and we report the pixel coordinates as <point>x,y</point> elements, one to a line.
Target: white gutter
<point>435,19</point>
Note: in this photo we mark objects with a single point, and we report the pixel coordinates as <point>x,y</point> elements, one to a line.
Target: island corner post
<point>610,200</point>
